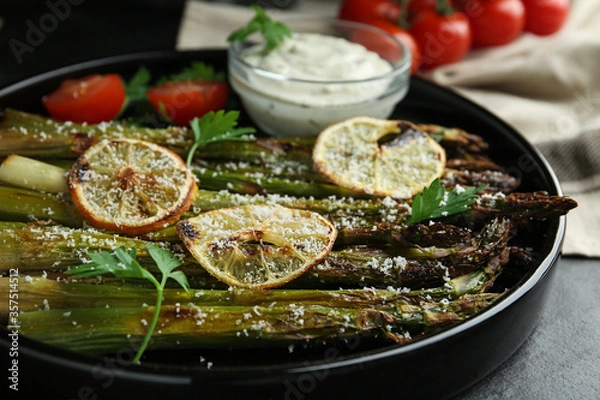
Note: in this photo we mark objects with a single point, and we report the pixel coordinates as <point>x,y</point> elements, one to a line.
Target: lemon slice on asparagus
<point>131,186</point>
<point>257,246</point>
<point>378,157</point>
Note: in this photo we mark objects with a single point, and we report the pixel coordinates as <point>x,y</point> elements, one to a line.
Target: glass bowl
<point>284,106</point>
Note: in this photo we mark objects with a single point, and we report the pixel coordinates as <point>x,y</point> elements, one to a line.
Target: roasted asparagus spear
<point>105,330</point>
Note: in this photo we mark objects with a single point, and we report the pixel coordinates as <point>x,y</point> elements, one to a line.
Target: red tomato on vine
<point>416,6</point>
<point>443,39</point>
<point>369,10</point>
<point>545,17</point>
<point>494,22</point>
<point>402,36</point>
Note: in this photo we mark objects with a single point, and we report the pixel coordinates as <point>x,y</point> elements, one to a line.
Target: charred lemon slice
<point>378,157</point>
<point>131,186</point>
<point>257,246</point>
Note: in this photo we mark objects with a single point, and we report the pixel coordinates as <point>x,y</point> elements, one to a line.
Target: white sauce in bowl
<point>320,58</point>
<point>311,56</point>
<point>314,80</point>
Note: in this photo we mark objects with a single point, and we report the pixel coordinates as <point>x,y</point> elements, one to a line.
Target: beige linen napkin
<point>207,24</point>
<point>548,88</point>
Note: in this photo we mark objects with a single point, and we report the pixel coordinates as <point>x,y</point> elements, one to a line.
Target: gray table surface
<point>561,358</point>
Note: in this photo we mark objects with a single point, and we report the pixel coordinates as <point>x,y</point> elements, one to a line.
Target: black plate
<point>437,366</point>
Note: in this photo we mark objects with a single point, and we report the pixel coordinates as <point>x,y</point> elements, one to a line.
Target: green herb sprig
<point>215,127</point>
<point>139,83</point>
<point>196,71</point>
<point>137,86</point>
<point>435,202</point>
<point>274,32</point>
<point>122,264</point>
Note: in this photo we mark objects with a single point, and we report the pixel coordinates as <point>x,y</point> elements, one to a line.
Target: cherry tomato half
<point>494,22</point>
<point>369,10</point>
<point>91,99</point>
<point>184,100</point>
<point>443,39</point>
<point>545,17</point>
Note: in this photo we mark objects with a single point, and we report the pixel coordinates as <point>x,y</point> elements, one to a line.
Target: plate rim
<point>186,372</point>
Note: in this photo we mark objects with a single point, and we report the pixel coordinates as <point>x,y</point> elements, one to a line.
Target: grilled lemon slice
<point>257,246</point>
<point>378,157</point>
<point>131,186</point>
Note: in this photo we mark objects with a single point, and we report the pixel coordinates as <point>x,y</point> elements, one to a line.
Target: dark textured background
<point>89,29</point>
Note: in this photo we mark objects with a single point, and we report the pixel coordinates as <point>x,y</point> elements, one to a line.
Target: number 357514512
<point>13,283</point>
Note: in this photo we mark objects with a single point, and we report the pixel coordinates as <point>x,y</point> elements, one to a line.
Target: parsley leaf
<point>166,263</point>
<point>435,202</point>
<point>273,32</point>
<point>215,127</point>
<point>196,71</point>
<point>137,86</point>
<point>122,264</point>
